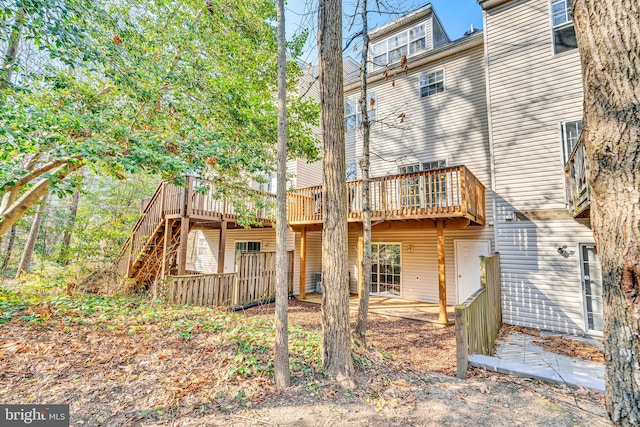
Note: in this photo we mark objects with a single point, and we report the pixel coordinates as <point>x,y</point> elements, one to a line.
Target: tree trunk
<point>32,195</point>
<point>11,54</point>
<point>30,244</point>
<point>336,345</point>
<point>281,357</point>
<point>9,250</point>
<point>359,334</point>
<point>63,258</point>
<point>608,35</point>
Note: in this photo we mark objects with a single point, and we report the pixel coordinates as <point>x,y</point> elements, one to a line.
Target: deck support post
<point>360,259</point>
<point>442,278</point>
<point>303,263</point>
<point>168,227</point>
<point>222,242</point>
<point>182,249</point>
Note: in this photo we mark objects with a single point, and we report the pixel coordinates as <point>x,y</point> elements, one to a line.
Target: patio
<point>393,307</point>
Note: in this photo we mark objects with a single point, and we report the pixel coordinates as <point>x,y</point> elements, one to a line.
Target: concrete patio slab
<point>517,354</point>
<point>393,307</point>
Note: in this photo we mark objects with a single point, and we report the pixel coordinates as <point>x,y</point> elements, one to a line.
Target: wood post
<point>442,278</point>
<point>222,241</point>
<point>462,343</point>
<point>187,197</point>
<point>163,197</point>
<point>303,263</point>
<point>360,259</point>
<point>168,228</point>
<point>182,249</point>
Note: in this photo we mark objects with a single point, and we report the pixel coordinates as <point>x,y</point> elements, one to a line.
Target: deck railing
<point>197,199</point>
<point>576,174</point>
<point>441,193</point>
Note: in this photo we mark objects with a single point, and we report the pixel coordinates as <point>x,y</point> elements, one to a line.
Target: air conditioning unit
<point>318,283</point>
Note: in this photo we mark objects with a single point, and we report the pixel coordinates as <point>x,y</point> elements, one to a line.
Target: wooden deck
<point>158,243</point>
<point>447,193</point>
<point>393,307</point>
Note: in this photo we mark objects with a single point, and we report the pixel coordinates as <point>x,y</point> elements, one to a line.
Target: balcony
<point>448,193</point>
<point>576,174</point>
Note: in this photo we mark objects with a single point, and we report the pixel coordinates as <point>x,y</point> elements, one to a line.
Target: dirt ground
<point>425,346</point>
<point>130,374</point>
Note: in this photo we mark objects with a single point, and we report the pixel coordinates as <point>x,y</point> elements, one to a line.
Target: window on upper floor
<point>564,35</point>
<point>352,171</point>
<point>353,113</point>
<point>424,166</point>
<point>431,83</point>
<point>570,134</point>
<point>406,43</point>
<point>429,190</point>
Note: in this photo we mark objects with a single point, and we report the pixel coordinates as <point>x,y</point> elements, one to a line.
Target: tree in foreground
<point>608,38</point>
<point>165,87</point>
<point>281,357</point>
<point>360,331</point>
<point>336,341</point>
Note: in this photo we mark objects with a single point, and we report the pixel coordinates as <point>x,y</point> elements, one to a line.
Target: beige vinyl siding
<point>308,174</point>
<point>206,246</point>
<point>314,261</point>
<point>451,125</point>
<point>531,91</point>
<point>542,288</point>
<point>419,268</point>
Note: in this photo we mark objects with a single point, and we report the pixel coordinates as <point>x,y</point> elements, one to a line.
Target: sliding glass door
<point>385,269</point>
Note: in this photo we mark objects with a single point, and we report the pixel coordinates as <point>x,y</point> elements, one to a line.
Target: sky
<point>456,17</point>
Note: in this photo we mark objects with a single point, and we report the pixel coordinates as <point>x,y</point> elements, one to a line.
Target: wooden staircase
<point>157,246</point>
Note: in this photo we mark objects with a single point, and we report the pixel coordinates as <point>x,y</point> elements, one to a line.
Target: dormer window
<point>417,39</point>
<point>406,43</point>
<point>397,47</point>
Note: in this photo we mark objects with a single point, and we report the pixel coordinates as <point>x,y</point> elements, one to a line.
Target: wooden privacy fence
<point>213,290</point>
<point>479,318</point>
<point>253,281</point>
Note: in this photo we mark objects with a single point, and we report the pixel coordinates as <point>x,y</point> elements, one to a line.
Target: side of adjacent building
<point>550,271</point>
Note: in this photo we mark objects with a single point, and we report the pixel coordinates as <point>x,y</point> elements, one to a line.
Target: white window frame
<point>353,120</point>
<point>399,244</point>
<point>423,82</point>
<point>246,242</point>
<point>566,148</point>
<point>382,49</point>
<point>412,190</point>
<point>566,23</point>
<point>352,171</point>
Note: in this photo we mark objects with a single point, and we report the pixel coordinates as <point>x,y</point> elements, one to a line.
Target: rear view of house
<point>475,149</point>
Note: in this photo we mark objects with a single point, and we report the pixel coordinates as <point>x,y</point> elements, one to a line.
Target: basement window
<point>248,246</point>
